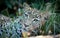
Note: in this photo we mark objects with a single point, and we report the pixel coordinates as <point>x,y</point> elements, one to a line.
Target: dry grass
<point>48,36</point>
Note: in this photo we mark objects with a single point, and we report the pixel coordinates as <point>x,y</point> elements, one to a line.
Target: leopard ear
<point>48,6</point>
<point>25,5</point>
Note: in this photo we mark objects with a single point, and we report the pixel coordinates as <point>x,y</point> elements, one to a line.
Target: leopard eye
<point>35,20</point>
<point>29,12</point>
<point>26,15</point>
<point>45,18</point>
